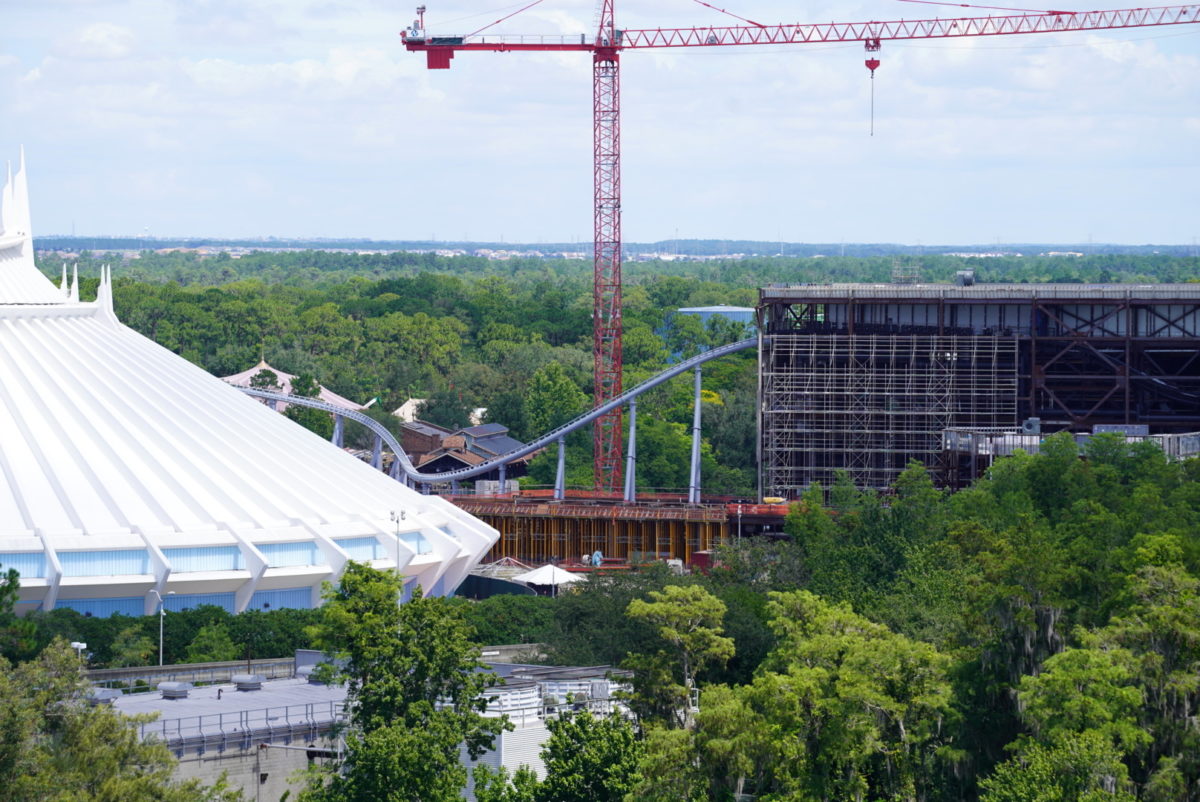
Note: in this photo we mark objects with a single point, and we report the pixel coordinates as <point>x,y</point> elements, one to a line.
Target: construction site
<point>865,378</point>
<point>535,528</point>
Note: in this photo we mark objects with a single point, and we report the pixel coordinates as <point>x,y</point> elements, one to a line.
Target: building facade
<point>865,377</point>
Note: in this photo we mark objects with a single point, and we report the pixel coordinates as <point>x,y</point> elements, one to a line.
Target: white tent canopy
<point>548,575</point>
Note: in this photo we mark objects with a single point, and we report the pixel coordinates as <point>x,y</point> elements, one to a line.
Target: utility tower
<point>606,46</point>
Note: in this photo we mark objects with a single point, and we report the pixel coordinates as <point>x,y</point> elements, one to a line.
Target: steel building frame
<point>864,378</point>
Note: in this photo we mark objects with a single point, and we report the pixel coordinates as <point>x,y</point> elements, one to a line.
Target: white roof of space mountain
<point>125,469</point>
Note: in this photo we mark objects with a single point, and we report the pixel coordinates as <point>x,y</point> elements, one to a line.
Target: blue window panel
<point>280,555</point>
<point>190,601</point>
<point>295,598</point>
<point>418,542</point>
<point>209,558</point>
<point>27,563</point>
<point>362,548</point>
<point>103,608</point>
<point>105,563</point>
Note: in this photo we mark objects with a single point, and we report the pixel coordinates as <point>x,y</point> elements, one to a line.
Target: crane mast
<point>606,251</point>
<point>606,118</point>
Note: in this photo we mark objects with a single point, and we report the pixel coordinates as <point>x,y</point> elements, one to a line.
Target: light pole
<point>78,646</point>
<point>162,613</point>
<point>396,519</point>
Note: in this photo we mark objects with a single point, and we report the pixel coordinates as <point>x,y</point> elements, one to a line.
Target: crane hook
<point>872,46</point>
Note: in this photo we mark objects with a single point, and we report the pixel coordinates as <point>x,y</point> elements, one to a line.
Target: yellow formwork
<point>542,533</point>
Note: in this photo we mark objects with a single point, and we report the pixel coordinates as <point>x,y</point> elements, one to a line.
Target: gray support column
<point>631,455</point>
<point>339,429</point>
<point>694,478</point>
<point>503,476</point>
<point>454,486</point>
<point>377,453</point>
<point>560,476</point>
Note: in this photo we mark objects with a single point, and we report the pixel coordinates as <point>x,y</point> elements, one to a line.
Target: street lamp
<point>78,646</point>
<point>396,519</point>
<point>162,613</point>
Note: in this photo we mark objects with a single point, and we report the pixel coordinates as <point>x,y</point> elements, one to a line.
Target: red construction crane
<point>605,48</point>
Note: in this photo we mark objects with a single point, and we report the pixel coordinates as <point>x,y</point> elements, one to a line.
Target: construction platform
<point>535,528</point>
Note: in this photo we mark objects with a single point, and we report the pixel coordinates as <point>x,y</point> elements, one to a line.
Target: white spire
<point>75,285</point>
<point>104,297</point>
<point>20,197</point>
<point>6,204</point>
<point>66,290</point>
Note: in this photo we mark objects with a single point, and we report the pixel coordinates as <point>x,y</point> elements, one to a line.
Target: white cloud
<point>99,40</point>
<point>306,99</point>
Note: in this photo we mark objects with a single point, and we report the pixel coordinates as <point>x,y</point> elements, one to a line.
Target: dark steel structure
<point>865,377</point>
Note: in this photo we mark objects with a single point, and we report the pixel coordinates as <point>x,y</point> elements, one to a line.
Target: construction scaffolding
<point>871,404</point>
<point>539,532</point>
<point>865,377</point>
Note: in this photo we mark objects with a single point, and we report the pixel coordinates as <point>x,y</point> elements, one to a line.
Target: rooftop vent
<point>310,673</point>
<point>103,696</point>
<point>175,690</point>
<point>248,682</point>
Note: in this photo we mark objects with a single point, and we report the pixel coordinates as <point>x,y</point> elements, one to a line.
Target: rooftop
<point>982,292</point>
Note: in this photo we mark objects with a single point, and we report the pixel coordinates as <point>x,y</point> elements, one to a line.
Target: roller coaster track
<point>412,475</point>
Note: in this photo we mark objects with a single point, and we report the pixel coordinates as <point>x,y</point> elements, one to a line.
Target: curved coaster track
<point>404,470</point>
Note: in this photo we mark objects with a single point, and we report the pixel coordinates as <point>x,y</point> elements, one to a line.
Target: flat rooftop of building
<point>217,713</point>
<point>980,292</point>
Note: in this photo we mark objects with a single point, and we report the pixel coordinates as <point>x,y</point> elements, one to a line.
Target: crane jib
<point>440,49</point>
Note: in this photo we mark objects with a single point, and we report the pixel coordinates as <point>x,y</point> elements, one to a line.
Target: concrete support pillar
<point>339,430</point>
<point>454,486</point>
<point>503,476</point>
<point>560,476</point>
<point>694,477</point>
<point>631,455</point>
<point>377,453</point>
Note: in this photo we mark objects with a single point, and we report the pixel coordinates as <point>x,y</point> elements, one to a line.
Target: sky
<point>307,118</point>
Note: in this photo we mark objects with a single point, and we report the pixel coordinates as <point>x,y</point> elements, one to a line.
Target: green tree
<point>841,709</point>
<point>689,620</point>
<point>56,746</point>
<point>589,759</point>
<point>501,786</point>
<point>446,407</point>
<point>132,647</point>
<point>316,421</point>
<point>669,769</point>
<point>212,644</point>
<point>18,636</point>
<point>415,691</point>
<point>1079,767</point>
<point>552,399</point>
<point>266,379</point>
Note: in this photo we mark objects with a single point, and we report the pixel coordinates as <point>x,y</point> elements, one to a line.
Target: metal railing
<point>196,673</point>
<point>242,729</point>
